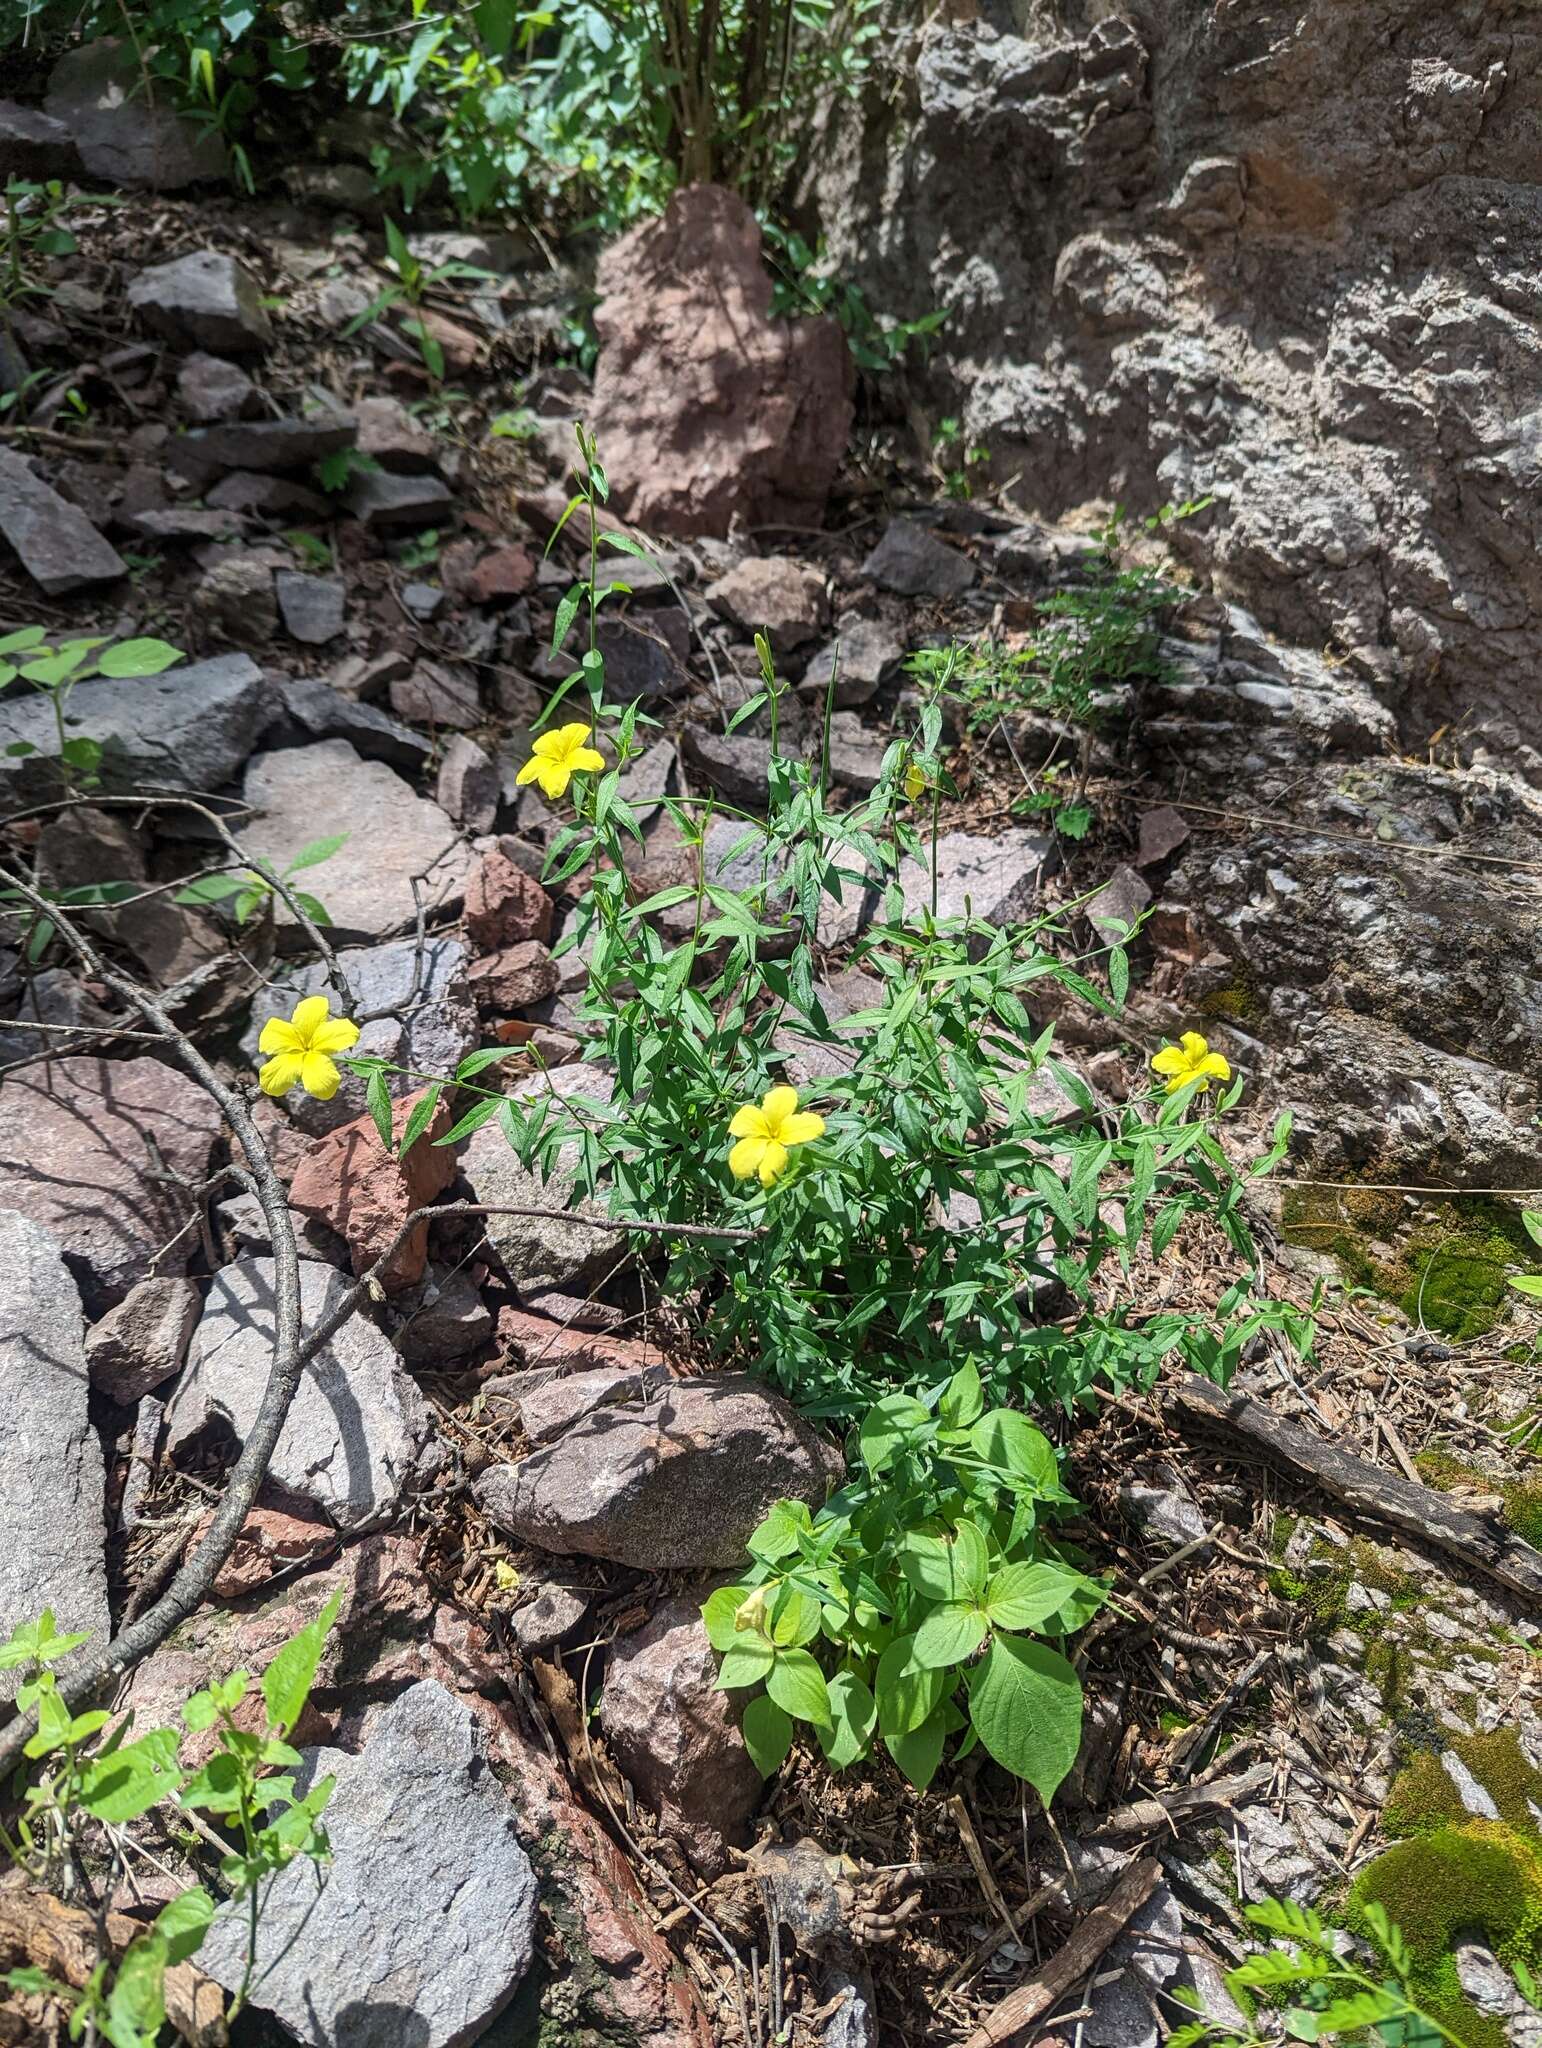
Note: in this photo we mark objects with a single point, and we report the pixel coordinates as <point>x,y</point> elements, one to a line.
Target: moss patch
<point>1452,1271</point>
<point>1424,1798</point>
<point>1482,1879</point>
<point>1522,1511</point>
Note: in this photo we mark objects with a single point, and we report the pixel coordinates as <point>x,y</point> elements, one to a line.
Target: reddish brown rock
<point>707,408</point>
<point>504,907</point>
<point>108,1154</point>
<point>271,1540</point>
<point>513,978</point>
<point>502,573</point>
<point>536,1340</point>
<point>348,1181</point>
<point>677,1738</point>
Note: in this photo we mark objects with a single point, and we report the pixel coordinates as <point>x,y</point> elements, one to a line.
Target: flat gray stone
<point>203,300</point>
<point>54,540</point>
<point>34,146</point>
<point>311,709</point>
<point>561,1251</point>
<point>310,606</point>
<point>864,652</point>
<point>97,92</point>
<point>187,729</point>
<point>86,1149</point>
<point>262,446</point>
<point>995,880</point>
<point>307,793</point>
<point>52,1532</point>
<point>422,1926</point>
<point>381,498</point>
<point>211,390</point>
<point>912,562</point>
<point>358,1429</point>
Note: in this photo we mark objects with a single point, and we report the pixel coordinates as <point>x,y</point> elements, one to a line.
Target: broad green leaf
<point>287,1682</point>
<point>745,1662</point>
<point>1009,1441</point>
<point>1025,1700</point>
<point>798,1686</point>
<point>138,658</point>
<point>777,1535</point>
<point>888,1426</point>
<point>919,1752</point>
<point>948,1635</point>
<point>767,1734</point>
<point>853,1719</point>
<point>183,1924</point>
<point>719,1616</point>
<point>128,1781</point>
<point>319,850</point>
<point>905,1693</point>
<point>962,1399</point>
<point>1027,1595</point>
<point>136,2004</point>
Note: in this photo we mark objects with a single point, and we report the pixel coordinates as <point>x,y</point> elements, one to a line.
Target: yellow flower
<point>751,1612</point>
<point>1190,1060</point>
<point>765,1131</point>
<point>556,757</point>
<point>915,780</point>
<point>300,1045</point>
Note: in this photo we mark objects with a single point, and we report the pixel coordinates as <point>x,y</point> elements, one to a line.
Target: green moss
<point>1238,1000</point>
<point>1452,1273</point>
<point>1481,1878</point>
<point>1522,1498</point>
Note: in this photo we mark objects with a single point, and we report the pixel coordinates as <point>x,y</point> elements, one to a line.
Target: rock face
<point>203,300</point>
<point>562,1250</point>
<point>97,93</point>
<point>87,1147</point>
<point>706,407</point>
<point>1282,256</point>
<point>56,543</point>
<point>677,1483</point>
<point>423,1927</point>
<point>356,1433</point>
<point>51,1515</point>
<point>676,1737</point>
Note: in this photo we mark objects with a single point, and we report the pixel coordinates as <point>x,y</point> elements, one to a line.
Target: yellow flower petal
<point>1178,1081</point>
<point>573,736</point>
<point>1170,1061</point>
<point>279,1035</point>
<point>336,1035</point>
<point>746,1156</point>
<point>748,1123</point>
<point>1195,1046</point>
<point>309,1016</point>
<point>548,746</point>
<point>586,758</point>
<point>1214,1064</point>
<point>319,1077</point>
<point>802,1127</point>
<point>531,769</point>
<point>776,1106</point>
<point>280,1073</point>
<point>773,1164</point>
<point>554,777</point>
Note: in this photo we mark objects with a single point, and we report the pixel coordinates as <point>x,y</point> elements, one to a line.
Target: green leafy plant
<point>413,280</point>
<point>99,1774</point>
<point>1530,1283</point>
<point>958,462</point>
<point>804,285</point>
<point>56,666</point>
<point>916,1603</point>
<point>251,890</point>
<point>1335,1997</point>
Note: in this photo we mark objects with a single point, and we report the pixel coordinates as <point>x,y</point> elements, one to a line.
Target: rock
<point>245,1224</point>
<point>423,600</point>
<point>203,300</point>
<point>353,1185</point>
<point>142,1342</point>
<point>270,497</point>
<point>467,788</point>
<point>52,1529</point>
<point>1165,1513</point>
<point>551,1620</point>
<point>191,524</point>
<point>856,754</point>
<point>358,1431</point>
<point>735,764</point>
<point>677,1738</point>
<point>504,906</point>
<point>912,562</point>
<point>513,979</point>
<point>1274,1861</point>
<point>861,656</point>
<point>188,729</point>
<point>425,1925</point>
<point>210,389</point>
<point>559,1250</point>
<point>261,446</point>
<point>432,695</point>
<point>76,848</point>
<point>234,599</point>
<point>1475,1798</point>
<point>315,710</point>
<point>392,836</point>
<point>391,437</point>
<point>272,1540</point>
<point>1142,1961</point>
<point>502,573</point>
<point>447,1322</point>
<point>429,1023</point>
<point>34,147</point>
<point>997,880</point>
<point>53,997</point>
<point>708,408</point>
<point>87,1148</point>
<point>677,1484</point>
<point>54,540</point>
<point>381,499</point>
<point>550,1401</point>
<point>644,653</point>
<point>97,93</point>
<point>775,595</point>
<point>550,1344</point>
<point>311,606</point>
<point>1162,832</point>
<point>1117,905</point>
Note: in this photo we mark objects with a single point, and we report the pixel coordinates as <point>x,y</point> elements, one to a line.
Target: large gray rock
<point>54,540</point>
<point>422,1926</point>
<point>89,1148</point>
<point>677,1737</point>
<point>560,1250</point>
<point>188,729</point>
<point>306,793</point>
<point>263,446</point>
<point>203,300</point>
<point>430,1027</point>
<point>676,1484</point>
<point>306,708</point>
<point>915,563</point>
<point>358,1431</point>
<point>51,1513</point>
<point>97,92</point>
<point>34,146</point>
<point>997,880</point>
